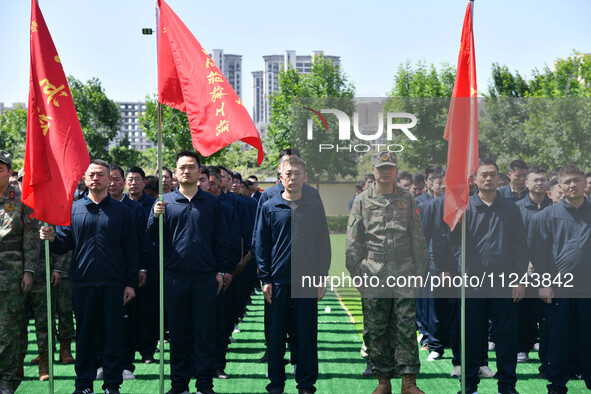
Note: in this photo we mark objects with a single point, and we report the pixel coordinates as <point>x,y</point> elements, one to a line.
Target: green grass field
<point>340,363</point>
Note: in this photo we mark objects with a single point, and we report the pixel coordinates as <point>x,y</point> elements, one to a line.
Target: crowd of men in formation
<point>223,239</point>
<point>105,268</point>
<point>535,228</point>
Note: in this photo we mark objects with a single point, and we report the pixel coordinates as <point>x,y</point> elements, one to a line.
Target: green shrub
<point>337,223</point>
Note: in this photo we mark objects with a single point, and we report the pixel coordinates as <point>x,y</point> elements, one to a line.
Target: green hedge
<point>337,223</point>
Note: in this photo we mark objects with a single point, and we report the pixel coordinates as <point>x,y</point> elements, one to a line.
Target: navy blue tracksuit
<point>103,238</point>
<point>562,236</point>
<point>195,249</point>
<point>298,234</point>
<point>495,244</point>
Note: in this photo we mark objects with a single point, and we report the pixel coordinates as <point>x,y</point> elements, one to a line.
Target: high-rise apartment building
<point>130,126</point>
<point>231,67</point>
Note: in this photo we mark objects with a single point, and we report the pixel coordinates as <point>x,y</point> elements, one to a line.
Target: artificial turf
<point>340,363</point>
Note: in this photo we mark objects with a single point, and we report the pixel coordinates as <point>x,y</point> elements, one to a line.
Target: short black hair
<point>136,170</point>
<point>417,179</point>
<point>151,183</point>
<point>115,167</point>
<point>587,175</point>
<point>517,165</point>
<point>369,176</point>
<point>101,163</point>
<point>553,184</point>
<point>536,170</point>
<point>205,170</point>
<point>253,177</point>
<point>236,175</point>
<point>554,172</point>
<point>167,169</point>
<point>215,170</point>
<point>570,169</point>
<point>187,153</point>
<point>289,152</point>
<point>438,174</point>
<point>404,175</point>
<point>431,168</point>
<point>247,183</point>
<point>487,162</point>
<point>296,161</point>
<point>359,186</point>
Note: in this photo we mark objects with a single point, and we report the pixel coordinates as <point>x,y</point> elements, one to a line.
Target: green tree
<point>423,91</point>
<point>13,133</point>
<point>326,86</point>
<point>544,121</point>
<point>99,116</point>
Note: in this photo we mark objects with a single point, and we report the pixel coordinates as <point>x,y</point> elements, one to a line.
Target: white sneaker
<point>537,346</point>
<point>491,346</point>
<point>522,357</point>
<point>128,375</point>
<point>99,373</point>
<point>457,372</point>
<point>236,329</point>
<point>295,366</point>
<point>434,356</point>
<point>485,372</point>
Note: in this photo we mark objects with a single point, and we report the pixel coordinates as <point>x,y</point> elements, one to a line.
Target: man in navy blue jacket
<point>196,265</point>
<point>292,242</point>
<point>495,245</point>
<point>562,248</point>
<point>104,272</point>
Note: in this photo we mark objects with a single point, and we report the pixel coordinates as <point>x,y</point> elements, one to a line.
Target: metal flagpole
<point>49,314</point>
<point>160,223</point>
<point>463,307</point>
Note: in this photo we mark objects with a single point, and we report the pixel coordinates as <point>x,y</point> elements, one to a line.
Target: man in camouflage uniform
<point>19,259</point>
<point>385,238</point>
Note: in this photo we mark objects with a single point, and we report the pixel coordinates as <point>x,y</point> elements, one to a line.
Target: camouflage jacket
<point>385,235</point>
<point>19,240</point>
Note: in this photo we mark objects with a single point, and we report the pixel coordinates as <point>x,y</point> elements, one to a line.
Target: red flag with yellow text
<point>461,130</point>
<point>189,81</point>
<point>56,156</point>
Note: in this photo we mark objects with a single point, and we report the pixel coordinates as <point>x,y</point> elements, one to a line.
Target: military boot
<point>384,386</point>
<point>43,367</point>
<point>66,352</point>
<point>35,360</point>
<point>409,385</point>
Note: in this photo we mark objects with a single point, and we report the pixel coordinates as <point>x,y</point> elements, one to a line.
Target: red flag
<point>461,130</point>
<point>55,155</point>
<point>189,81</point>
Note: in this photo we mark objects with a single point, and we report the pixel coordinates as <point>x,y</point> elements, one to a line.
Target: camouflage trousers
<point>36,299</point>
<point>62,297</point>
<point>11,311</point>
<point>389,333</point>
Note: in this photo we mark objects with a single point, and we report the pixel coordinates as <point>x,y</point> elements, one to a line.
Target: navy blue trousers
<point>568,319</point>
<point>99,312</point>
<point>302,314</point>
<point>190,308</point>
<point>503,314</point>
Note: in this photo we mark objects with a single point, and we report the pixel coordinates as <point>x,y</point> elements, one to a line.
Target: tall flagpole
<point>160,222</point>
<point>463,264</point>
<point>49,314</point>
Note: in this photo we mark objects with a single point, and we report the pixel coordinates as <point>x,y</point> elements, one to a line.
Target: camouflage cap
<point>383,159</point>
<point>21,173</point>
<point>5,158</point>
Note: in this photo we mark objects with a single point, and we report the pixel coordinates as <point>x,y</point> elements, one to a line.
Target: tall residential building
<point>231,67</point>
<point>130,126</point>
<point>266,82</point>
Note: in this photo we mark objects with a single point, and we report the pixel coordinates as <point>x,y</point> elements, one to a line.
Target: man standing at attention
<point>104,272</point>
<point>385,238</point>
<point>196,266</point>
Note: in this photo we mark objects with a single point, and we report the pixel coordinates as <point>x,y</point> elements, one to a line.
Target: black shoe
<point>220,374</point>
<point>276,391</point>
<point>113,390</point>
<point>508,391</point>
<point>179,390</point>
<point>84,391</point>
<point>305,391</point>
<point>205,391</point>
<point>265,357</point>
<point>368,371</point>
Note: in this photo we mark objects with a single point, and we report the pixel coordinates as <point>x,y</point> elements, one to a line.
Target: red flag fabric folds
<point>189,81</point>
<point>461,130</point>
<point>56,156</point>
